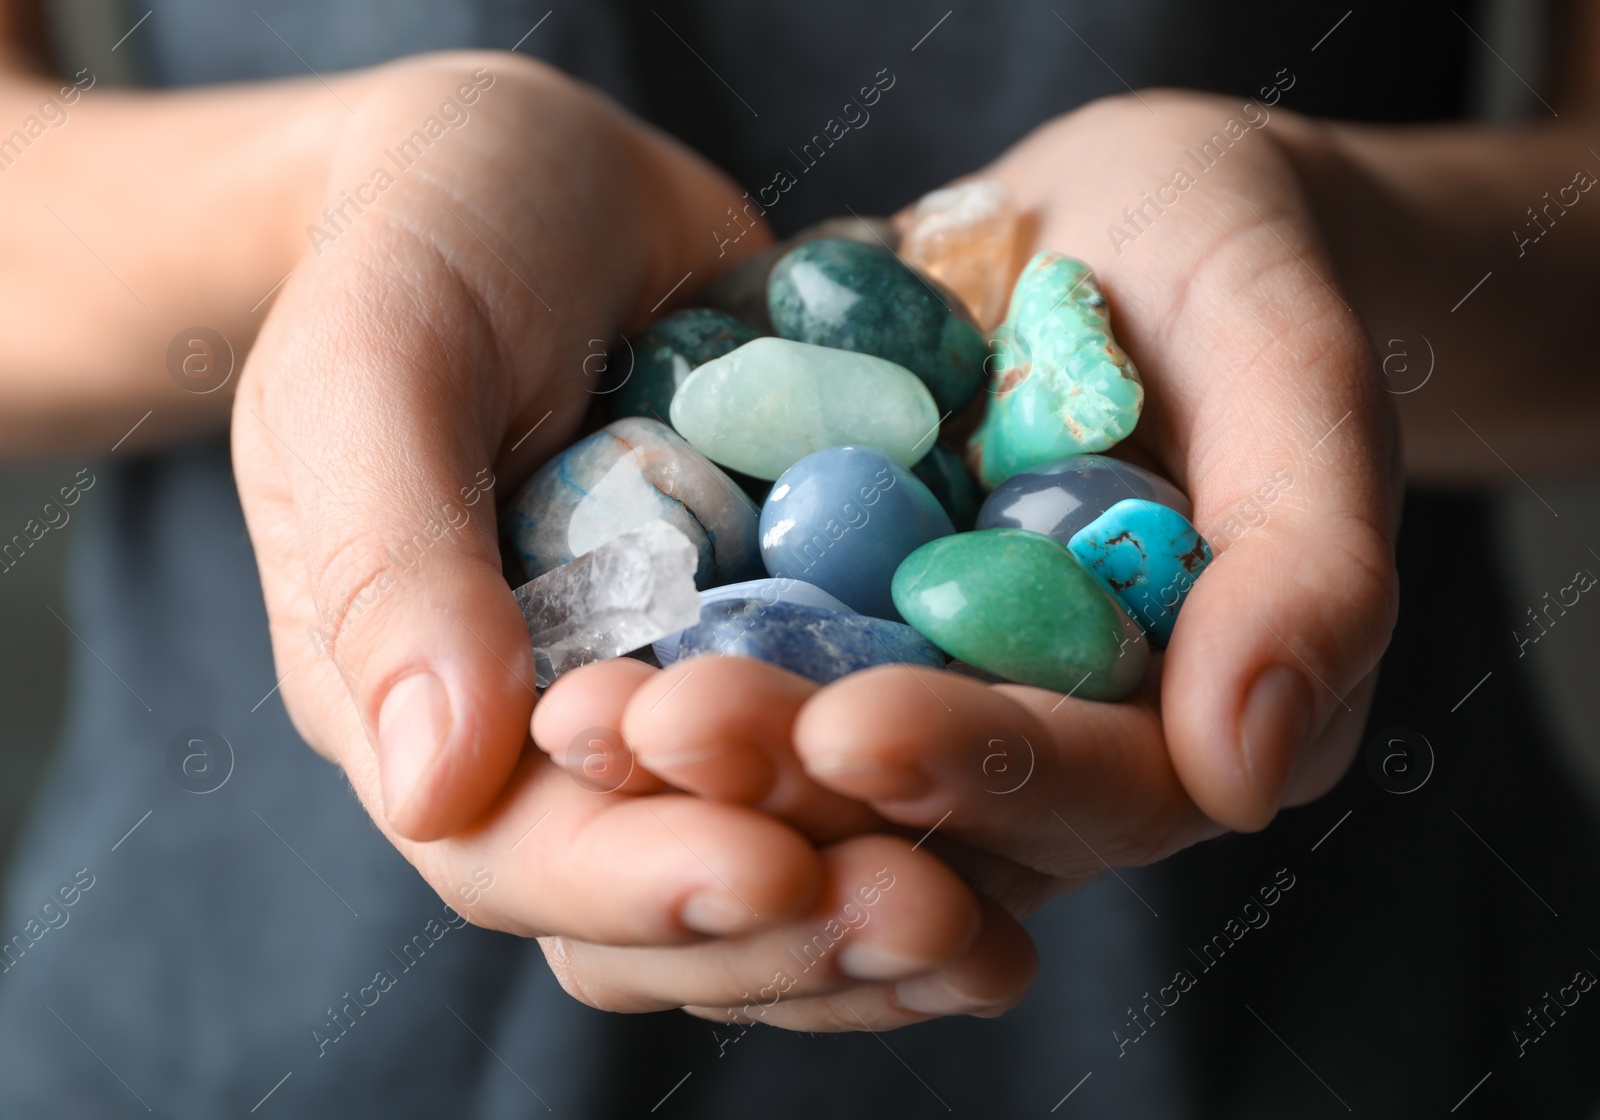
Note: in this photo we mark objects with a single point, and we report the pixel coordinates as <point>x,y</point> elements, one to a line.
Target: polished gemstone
<point>943,472</point>
<point>760,590</point>
<point>1019,605</point>
<point>643,380</point>
<point>630,591</point>
<point>773,401</point>
<point>843,519</point>
<point>1148,556</point>
<point>742,292</point>
<point>1062,386</point>
<point>819,644</point>
<point>965,237</point>
<point>629,473</point>
<point>852,296</point>
<point>1060,498</point>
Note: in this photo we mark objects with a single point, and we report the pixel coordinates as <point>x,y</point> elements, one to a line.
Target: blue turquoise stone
<point>943,472</point>
<point>761,590</point>
<point>1062,386</point>
<point>631,472</point>
<point>1060,498</point>
<point>661,356</point>
<point>816,643</point>
<point>1148,556</point>
<point>852,296</point>
<point>842,519</point>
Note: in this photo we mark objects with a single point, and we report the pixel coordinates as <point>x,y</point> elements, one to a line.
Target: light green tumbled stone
<point>1062,386</point>
<point>772,402</point>
<point>1019,605</point>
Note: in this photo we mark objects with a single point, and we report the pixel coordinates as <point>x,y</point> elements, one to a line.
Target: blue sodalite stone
<point>759,590</point>
<point>943,472</point>
<point>816,643</point>
<point>631,472</point>
<point>665,353</point>
<point>843,519</point>
<point>1148,556</point>
<point>1062,497</point>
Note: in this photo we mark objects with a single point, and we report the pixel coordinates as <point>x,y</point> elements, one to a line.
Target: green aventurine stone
<point>664,355</point>
<point>772,402</point>
<point>1062,386</point>
<point>1020,606</point>
<point>852,296</point>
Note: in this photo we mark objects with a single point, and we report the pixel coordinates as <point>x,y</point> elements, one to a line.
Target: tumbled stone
<point>760,590</point>
<point>965,237</point>
<point>1062,386</point>
<point>772,402</point>
<point>816,643</point>
<point>1148,556</point>
<point>628,592</point>
<point>1019,605</point>
<point>852,296</point>
<point>742,292</point>
<point>661,356</point>
<point>1060,498</point>
<point>631,472</point>
<point>843,519</point>
<point>943,472</point>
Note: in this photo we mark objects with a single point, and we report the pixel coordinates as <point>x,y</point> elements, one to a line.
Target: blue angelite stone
<point>631,472</point>
<point>661,356</point>
<point>1062,497</point>
<point>818,644</point>
<point>843,519</point>
<point>943,472</point>
<point>762,590</point>
<point>1148,556</point>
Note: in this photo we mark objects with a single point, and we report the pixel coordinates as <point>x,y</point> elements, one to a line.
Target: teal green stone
<point>661,357</point>
<point>1061,386</point>
<point>853,296</point>
<point>942,471</point>
<point>772,402</point>
<point>1018,605</point>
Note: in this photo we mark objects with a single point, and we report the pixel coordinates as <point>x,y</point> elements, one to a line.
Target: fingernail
<point>861,960</point>
<point>413,724</point>
<point>1272,729</point>
<point>715,913</point>
<point>930,995</point>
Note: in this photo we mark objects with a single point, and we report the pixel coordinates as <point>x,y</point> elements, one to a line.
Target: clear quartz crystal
<point>632,590</point>
<point>964,237</point>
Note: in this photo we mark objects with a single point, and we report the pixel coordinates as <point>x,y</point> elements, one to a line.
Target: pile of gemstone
<point>828,380</point>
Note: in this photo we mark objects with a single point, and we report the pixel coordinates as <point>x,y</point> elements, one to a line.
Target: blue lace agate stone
<point>762,590</point>
<point>1148,556</point>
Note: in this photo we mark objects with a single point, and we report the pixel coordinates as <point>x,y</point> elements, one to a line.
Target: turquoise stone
<point>1018,605</point>
<point>630,473</point>
<point>1148,556</point>
<point>772,402</point>
<point>853,296</point>
<point>662,356</point>
<point>1062,386</point>
<point>943,472</point>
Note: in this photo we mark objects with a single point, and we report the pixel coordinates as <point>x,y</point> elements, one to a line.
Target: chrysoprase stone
<point>1019,605</point>
<point>760,590</point>
<point>1062,386</point>
<point>852,296</point>
<point>772,402</point>
<point>1148,556</point>
<point>742,292</point>
<point>629,473</point>
<point>661,356</point>
<point>1060,498</point>
<point>843,519</point>
<point>965,237</point>
<point>816,643</point>
<point>943,472</point>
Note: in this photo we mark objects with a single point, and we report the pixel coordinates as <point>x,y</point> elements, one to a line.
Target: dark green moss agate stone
<point>942,471</point>
<point>859,297</point>
<point>665,354</point>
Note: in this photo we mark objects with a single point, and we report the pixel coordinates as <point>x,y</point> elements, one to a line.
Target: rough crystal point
<point>965,237</point>
<point>631,591</point>
<point>772,402</point>
<point>1062,386</point>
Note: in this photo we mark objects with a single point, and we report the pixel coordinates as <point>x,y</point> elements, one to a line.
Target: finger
<point>720,727</point>
<point>885,912</point>
<point>577,724</point>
